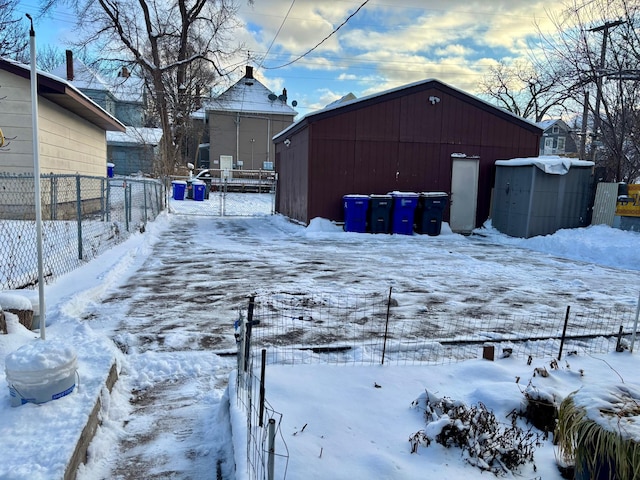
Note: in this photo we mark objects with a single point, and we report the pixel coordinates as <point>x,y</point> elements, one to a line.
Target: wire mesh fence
<point>82,217</point>
<point>267,454</point>
<point>372,329</point>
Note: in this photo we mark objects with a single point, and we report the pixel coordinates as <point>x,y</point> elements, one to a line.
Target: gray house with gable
<point>557,139</point>
<point>241,124</point>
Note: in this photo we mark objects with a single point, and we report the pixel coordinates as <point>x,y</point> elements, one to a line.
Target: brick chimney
<point>69,55</point>
<point>248,76</point>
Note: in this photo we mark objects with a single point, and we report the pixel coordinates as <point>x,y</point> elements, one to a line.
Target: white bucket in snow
<point>40,371</point>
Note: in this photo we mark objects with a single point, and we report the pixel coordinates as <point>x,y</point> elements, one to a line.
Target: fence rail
<point>82,217</point>
<point>371,329</point>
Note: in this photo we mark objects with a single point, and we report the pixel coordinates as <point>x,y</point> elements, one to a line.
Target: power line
<point>277,33</point>
<point>321,41</point>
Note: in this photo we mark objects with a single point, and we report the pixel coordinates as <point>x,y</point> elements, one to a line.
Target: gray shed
<point>540,195</point>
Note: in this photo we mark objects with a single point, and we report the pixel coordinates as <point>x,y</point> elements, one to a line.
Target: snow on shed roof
<point>551,164</point>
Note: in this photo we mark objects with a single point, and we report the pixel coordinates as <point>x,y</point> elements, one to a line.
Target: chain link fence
<point>82,217</point>
<point>374,329</point>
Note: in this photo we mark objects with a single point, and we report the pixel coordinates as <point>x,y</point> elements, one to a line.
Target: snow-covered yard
<point>162,306</point>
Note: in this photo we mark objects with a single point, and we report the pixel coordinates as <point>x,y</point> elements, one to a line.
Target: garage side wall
<point>404,143</point>
<point>292,191</point>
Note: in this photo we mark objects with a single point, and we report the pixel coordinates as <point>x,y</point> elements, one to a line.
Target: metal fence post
<point>103,206</point>
<point>79,215</point>
<point>386,326</point>
<point>144,189</point>
<point>262,373</point>
<point>126,207</point>
<point>247,350</point>
<point>564,332</point>
<point>52,197</point>
<point>272,449</point>
<point>108,201</point>
<point>129,193</point>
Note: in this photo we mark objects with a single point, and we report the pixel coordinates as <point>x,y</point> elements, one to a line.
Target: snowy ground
<point>162,305</point>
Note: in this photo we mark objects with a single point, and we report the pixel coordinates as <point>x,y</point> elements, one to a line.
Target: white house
<point>72,128</point>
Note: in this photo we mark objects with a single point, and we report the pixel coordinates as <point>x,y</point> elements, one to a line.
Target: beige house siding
<point>251,142</point>
<point>68,143</point>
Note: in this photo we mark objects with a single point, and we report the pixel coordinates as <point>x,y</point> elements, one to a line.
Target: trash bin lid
<point>179,182</point>
<point>354,195</point>
<point>433,194</point>
<point>373,195</point>
<point>403,194</point>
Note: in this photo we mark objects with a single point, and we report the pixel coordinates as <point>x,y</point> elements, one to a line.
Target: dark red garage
<point>426,136</point>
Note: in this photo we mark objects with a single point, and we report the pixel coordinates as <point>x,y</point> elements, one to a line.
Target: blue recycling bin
<point>199,189</point>
<point>110,167</point>
<point>380,213</point>
<point>429,212</point>
<point>179,188</point>
<point>355,213</point>
<point>402,212</point>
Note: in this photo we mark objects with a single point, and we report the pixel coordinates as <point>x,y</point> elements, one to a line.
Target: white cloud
<point>387,45</point>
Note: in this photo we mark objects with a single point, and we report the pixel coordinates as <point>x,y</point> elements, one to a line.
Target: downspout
<point>269,139</point>
<point>237,137</point>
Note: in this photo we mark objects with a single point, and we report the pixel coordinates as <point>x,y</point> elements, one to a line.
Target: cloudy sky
<point>387,43</point>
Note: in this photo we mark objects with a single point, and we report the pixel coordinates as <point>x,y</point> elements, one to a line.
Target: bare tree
<point>179,45</point>
<point>49,57</point>
<point>14,38</point>
<point>524,89</point>
<point>597,41</point>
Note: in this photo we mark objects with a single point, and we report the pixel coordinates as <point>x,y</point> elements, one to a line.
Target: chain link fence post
<point>79,215</point>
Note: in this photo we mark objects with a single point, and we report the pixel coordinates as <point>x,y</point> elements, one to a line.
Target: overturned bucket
<point>40,371</point>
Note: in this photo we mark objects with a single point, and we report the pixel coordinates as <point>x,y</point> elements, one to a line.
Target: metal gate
<point>226,197</point>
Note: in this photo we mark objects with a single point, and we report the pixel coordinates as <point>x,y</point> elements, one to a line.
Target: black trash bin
<point>380,213</point>
<point>429,212</point>
<point>190,189</point>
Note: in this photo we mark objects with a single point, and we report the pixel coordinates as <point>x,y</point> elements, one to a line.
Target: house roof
<point>64,94</point>
<point>547,124</point>
<point>350,105</point>
<point>83,77</point>
<point>136,136</point>
<point>248,95</point>
<point>127,88</point>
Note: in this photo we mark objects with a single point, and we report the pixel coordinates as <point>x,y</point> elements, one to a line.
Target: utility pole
<point>585,119</point>
<point>603,53</point>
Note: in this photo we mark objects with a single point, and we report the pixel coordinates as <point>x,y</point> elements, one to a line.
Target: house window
<point>555,130</point>
<point>548,145</point>
<point>561,143</point>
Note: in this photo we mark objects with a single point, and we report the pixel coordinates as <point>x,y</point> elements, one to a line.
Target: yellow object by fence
<point>629,205</point>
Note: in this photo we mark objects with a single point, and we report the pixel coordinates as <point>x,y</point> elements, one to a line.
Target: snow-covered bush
<point>485,442</point>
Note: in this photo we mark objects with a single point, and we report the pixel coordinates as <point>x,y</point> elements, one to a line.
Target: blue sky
<point>388,43</point>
